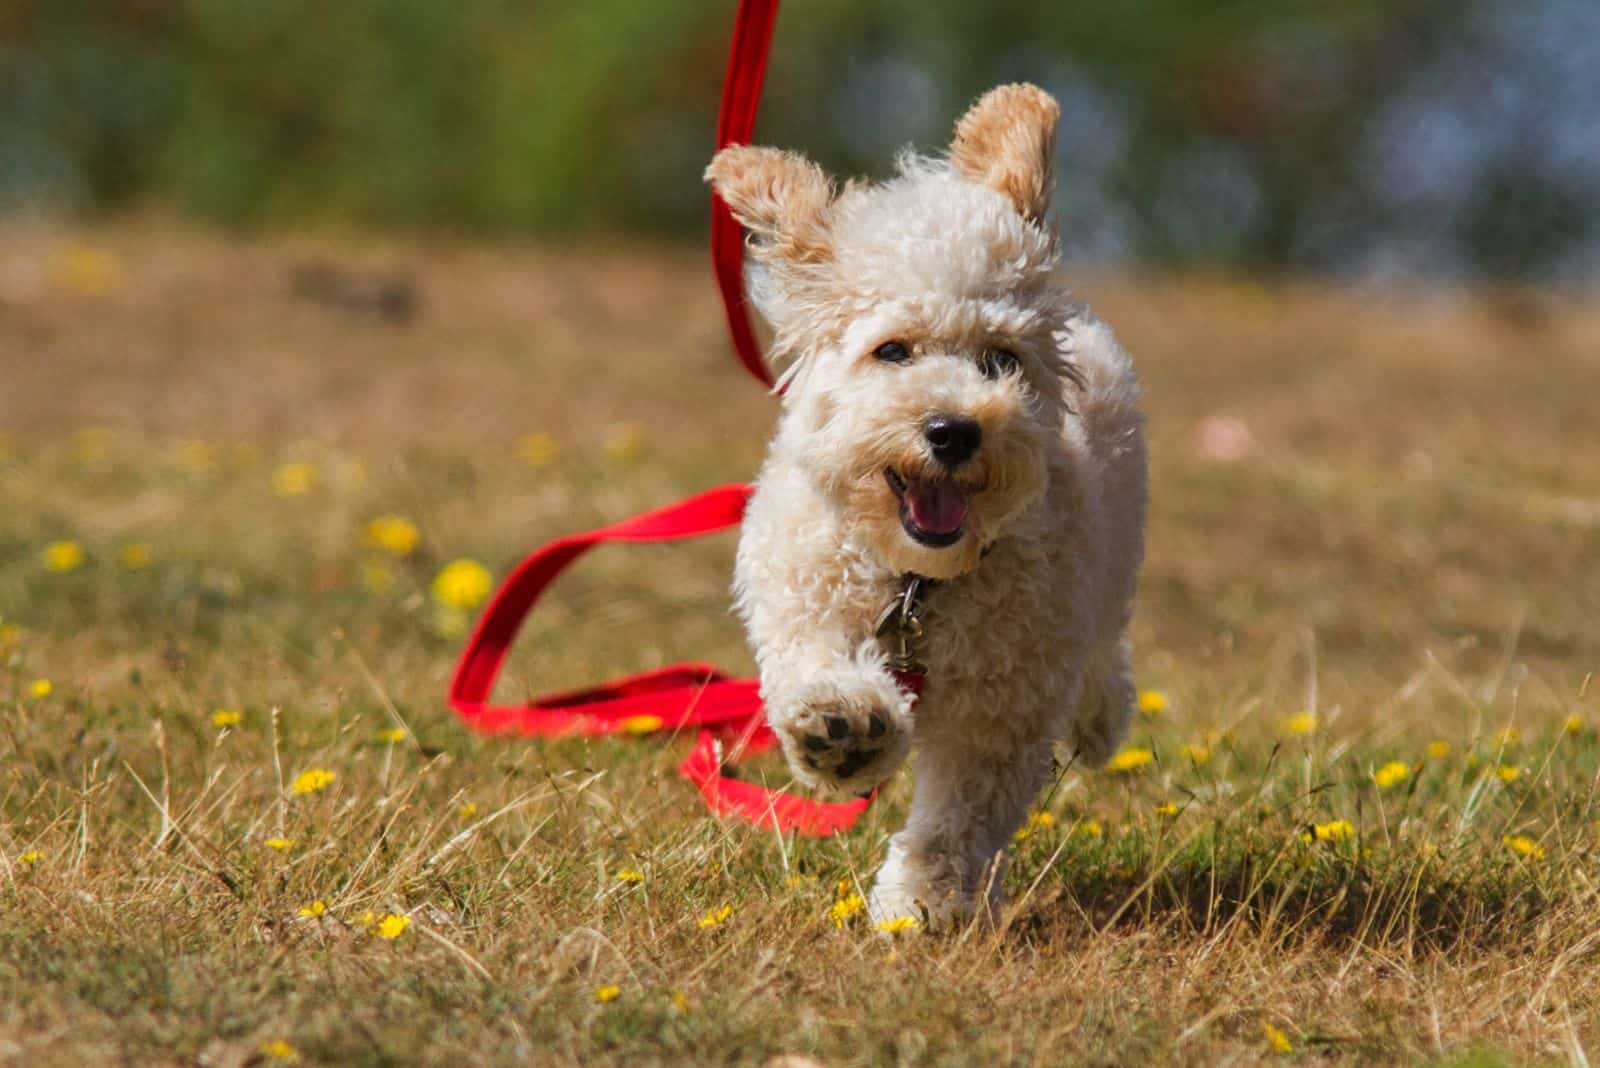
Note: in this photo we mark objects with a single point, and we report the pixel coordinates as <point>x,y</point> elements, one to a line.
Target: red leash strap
<point>671,698</point>
<point>707,513</point>
<point>678,696</point>
<point>736,121</point>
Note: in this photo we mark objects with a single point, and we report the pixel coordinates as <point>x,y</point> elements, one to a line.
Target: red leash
<point>741,93</point>
<point>673,698</point>
<point>727,711</point>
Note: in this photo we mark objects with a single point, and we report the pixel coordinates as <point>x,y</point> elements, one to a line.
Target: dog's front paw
<point>845,737</point>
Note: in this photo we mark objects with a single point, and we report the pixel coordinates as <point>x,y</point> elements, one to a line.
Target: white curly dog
<point>956,486</point>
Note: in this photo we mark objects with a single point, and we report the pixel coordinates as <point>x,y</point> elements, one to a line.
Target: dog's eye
<point>892,352</point>
<point>997,362</point>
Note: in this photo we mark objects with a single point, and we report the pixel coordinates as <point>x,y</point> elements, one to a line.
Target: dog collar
<point>899,628</point>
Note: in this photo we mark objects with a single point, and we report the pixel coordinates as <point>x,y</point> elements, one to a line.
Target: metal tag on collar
<point>900,627</point>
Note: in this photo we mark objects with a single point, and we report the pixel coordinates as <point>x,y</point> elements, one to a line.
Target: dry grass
<point>1409,550</point>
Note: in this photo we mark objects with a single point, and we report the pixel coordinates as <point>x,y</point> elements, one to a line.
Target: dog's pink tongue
<point>937,507</point>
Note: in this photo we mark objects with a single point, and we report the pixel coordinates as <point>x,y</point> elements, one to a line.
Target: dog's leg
<point>1100,721</point>
<point>951,855</point>
<point>843,722</point>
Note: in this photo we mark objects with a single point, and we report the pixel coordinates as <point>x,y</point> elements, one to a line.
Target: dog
<point>953,499</point>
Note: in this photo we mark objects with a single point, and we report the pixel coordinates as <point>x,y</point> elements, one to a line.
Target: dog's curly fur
<point>953,260</point>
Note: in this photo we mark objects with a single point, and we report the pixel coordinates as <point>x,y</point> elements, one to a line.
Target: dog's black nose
<point>954,438</point>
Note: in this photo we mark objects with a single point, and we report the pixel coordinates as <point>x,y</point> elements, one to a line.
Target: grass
<point>1406,550</point>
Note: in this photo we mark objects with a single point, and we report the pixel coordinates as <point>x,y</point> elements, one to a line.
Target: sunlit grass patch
<point>1296,838</point>
<point>1376,887</point>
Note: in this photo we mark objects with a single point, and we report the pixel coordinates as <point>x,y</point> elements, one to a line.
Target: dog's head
<point>916,328</point>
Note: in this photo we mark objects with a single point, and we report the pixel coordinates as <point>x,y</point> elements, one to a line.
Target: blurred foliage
<point>1412,136</point>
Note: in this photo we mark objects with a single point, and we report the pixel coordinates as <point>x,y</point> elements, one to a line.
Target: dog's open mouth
<point>932,511</point>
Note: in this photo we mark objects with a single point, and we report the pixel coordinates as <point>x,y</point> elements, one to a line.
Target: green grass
<point>1408,551</point>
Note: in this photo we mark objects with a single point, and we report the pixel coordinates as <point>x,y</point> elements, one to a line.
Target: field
<point>1358,821</point>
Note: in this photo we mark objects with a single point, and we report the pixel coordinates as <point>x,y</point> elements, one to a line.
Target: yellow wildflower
<point>41,688</point>
<point>1391,773</point>
<point>1332,831</point>
<point>278,1050</point>
<point>1166,808</point>
<point>369,919</point>
<point>83,269</point>
<point>630,875</point>
<point>898,924</point>
<point>1277,1041</point>
<point>393,926</point>
<point>376,576</point>
<point>393,534</point>
<point>680,1001</point>
<point>845,908</point>
<point>1036,821</point>
<point>715,917</point>
<point>609,992</point>
<point>280,844</point>
<point>538,449</point>
<point>1301,723</point>
<point>639,724</point>
<point>30,858</point>
<point>1573,724</point>
<point>1153,702</point>
<point>1438,750</point>
<point>462,584</point>
<point>223,718</point>
<point>294,480</point>
<point>312,780</point>
<point>316,910</point>
<point>392,735</point>
<point>1129,759</point>
<point>61,557</point>
<point>1088,828</point>
<point>469,810</point>
<point>627,444</point>
<point>1522,845</point>
<point>1508,773</point>
<point>1198,755</point>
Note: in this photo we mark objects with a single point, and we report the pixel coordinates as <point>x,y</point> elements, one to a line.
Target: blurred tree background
<point>1440,138</point>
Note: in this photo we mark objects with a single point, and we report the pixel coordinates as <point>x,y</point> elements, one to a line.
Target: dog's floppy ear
<point>1006,141</point>
<point>782,198</point>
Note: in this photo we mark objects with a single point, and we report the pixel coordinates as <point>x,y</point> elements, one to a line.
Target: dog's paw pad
<point>849,744</point>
